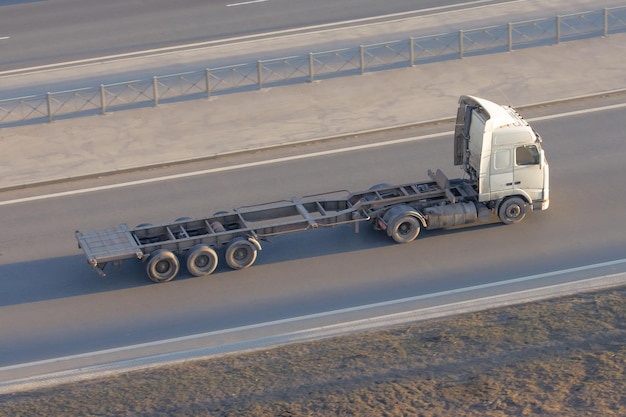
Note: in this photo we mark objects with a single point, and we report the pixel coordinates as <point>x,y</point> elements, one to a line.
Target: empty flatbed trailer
<point>240,232</point>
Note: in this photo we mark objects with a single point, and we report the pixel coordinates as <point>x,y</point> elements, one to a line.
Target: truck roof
<point>500,116</point>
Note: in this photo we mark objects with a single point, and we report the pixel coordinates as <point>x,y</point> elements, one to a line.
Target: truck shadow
<point>71,276</point>
<point>62,277</point>
<point>338,240</point>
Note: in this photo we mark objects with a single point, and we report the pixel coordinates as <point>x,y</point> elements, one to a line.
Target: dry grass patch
<point>552,358</point>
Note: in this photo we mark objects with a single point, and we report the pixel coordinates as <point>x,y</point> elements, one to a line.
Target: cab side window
<point>502,159</point>
<point>527,155</point>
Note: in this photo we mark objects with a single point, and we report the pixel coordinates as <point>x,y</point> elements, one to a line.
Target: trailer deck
<point>107,245</point>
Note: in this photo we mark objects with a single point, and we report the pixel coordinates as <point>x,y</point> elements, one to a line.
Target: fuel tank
<point>457,214</point>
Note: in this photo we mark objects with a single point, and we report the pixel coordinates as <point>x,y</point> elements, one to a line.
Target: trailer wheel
<point>379,186</point>
<point>162,266</point>
<point>405,229</point>
<point>201,260</point>
<point>241,253</point>
<point>512,210</point>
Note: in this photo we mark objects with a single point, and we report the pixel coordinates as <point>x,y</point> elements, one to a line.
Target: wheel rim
<point>513,211</point>
<point>201,261</point>
<point>163,267</point>
<point>405,229</point>
<point>241,253</point>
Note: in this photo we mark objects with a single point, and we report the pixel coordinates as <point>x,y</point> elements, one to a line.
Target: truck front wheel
<point>512,210</point>
<point>405,229</point>
<point>162,266</point>
<point>241,253</point>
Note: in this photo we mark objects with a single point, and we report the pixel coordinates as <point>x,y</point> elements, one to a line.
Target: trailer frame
<point>255,223</point>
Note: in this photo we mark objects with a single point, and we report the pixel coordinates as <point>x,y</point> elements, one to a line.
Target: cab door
<point>527,169</point>
<point>502,173</point>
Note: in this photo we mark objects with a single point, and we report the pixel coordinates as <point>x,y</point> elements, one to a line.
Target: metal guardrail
<point>311,67</point>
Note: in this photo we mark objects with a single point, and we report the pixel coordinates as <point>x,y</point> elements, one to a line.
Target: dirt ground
<point>561,357</point>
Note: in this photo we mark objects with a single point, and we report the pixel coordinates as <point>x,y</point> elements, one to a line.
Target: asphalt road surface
<point>53,304</point>
<point>41,32</point>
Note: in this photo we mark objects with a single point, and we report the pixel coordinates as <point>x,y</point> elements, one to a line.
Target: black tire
<point>374,188</point>
<point>512,210</point>
<point>201,260</point>
<point>162,266</point>
<point>405,229</point>
<point>241,253</point>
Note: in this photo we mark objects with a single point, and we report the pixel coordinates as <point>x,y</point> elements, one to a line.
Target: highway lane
<point>41,32</point>
<point>52,304</point>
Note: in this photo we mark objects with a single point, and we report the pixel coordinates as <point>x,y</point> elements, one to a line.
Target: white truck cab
<point>499,150</point>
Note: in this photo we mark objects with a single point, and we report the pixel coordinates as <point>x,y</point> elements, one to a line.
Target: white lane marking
<point>3,38</point>
<point>244,3</point>
<point>278,160</point>
<point>455,291</point>
<point>577,112</point>
<point>216,170</point>
<point>247,38</point>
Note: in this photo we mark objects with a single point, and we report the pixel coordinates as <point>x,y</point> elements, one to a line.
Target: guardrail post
<point>311,67</point>
<point>260,73</point>
<point>510,36</point>
<point>103,104</point>
<point>558,29</point>
<point>606,22</point>
<point>362,58</point>
<point>412,51</point>
<point>461,36</point>
<point>49,105</point>
<point>155,90</point>
<point>207,75</point>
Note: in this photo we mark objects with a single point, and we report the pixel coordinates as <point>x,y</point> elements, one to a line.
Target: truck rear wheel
<point>241,253</point>
<point>512,210</point>
<point>405,229</point>
<point>162,266</point>
<point>201,260</point>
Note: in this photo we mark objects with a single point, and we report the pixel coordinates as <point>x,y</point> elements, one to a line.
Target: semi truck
<point>505,174</point>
